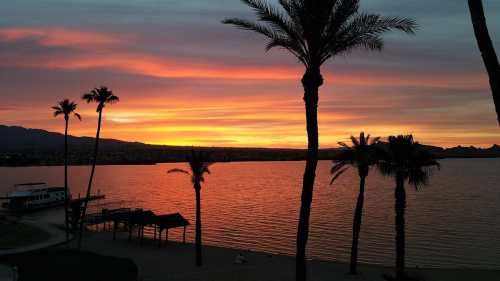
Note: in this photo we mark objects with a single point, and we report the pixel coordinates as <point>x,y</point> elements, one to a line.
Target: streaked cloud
<point>59,37</point>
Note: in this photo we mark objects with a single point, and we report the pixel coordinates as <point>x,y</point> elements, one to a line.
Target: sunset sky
<point>185,79</point>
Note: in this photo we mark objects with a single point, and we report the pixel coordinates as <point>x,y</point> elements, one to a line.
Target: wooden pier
<point>139,219</point>
<point>76,206</point>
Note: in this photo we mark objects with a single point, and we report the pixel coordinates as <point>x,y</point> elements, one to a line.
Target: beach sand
<point>175,261</point>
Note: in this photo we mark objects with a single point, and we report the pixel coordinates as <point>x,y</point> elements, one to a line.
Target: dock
<point>139,219</point>
<point>81,200</point>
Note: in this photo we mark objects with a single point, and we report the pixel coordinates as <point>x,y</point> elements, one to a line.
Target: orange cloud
<point>102,52</point>
<point>59,37</point>
<point>161,67</point>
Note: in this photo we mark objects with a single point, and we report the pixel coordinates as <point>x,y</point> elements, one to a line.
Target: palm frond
<point>386,168</point>
<point>253,26</point>
<point>362,154</point>
<point>315,31</point>
<point>337,175</point>
<point>409,159</point>
<point>102,96</point>
<point>355,142</point>
<point>338,165</point>
<point>88,97</point>
<point>65,107</point>
<point>364,140</point>
<point>375,140</point>
<point>113,99</point>
<point>78,116</point>
<point>343,144</point>
<point>271,15</point>
<point>176,170</point>
<point>366,30</point>
<point>283,29</point>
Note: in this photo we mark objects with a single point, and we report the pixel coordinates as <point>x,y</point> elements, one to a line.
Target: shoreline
<point>175,261</point>
<point>225,161</point>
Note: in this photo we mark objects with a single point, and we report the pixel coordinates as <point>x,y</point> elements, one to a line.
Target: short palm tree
<point>406,161</point>
<point>66,108</point>
<point>198,164</point>
<point>102,96</point>
<point>315,31</point>
<point>362,154</point>
<point>487,49</point>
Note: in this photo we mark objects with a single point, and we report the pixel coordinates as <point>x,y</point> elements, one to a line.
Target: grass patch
<point>14,235</point>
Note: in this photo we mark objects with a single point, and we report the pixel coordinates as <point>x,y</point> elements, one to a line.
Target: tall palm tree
<point>315,31</point>
<point>102,96</point>
<point>66,108</point>
<point>198,164</point>
<point>406,161</point>
<point>487,50</point>
<point>362,154</point>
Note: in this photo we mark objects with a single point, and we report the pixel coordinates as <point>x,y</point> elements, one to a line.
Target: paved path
<point>57,235</point>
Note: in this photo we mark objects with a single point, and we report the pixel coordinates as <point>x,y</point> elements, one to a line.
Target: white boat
<point>33,196</point>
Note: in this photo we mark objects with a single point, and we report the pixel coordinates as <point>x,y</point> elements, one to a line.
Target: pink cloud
<point>59,37</point>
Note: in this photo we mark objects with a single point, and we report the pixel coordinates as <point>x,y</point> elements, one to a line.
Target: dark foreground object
<point>63,265</point>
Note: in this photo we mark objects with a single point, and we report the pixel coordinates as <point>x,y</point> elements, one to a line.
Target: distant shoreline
<point>21,147</point>
<point>183,161</point>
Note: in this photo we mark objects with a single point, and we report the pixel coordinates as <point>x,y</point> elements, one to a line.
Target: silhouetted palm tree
<point>102,96</point>
<point>199,164</point>
<point>487,49</point>
<point>315,31</point>
<point>66,108</point>
<point>362,154</point>
<point>405,160</point>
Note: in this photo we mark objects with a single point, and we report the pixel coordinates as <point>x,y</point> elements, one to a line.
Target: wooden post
<point>154,234</point>
<point>184,236</point>
<point>114,230</point>
<point>159,239</point>
<point>129,231</point>
<point>141,233</point>
<point>166,237</point>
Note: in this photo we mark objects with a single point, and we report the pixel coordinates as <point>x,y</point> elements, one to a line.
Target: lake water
<point>453,222</point>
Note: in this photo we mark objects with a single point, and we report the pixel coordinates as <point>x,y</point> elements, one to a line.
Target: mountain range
<point>22,146</point>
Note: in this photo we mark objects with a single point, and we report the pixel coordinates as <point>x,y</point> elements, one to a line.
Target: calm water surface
<point>453,222</point>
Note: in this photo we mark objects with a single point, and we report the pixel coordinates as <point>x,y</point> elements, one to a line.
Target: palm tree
<point>362,154</point>
<point>315,31</point>
<point>198,164</point>
<point>405,160</point>
<point>487,50</point>
<point>66,108</point>
<point>102,96</point>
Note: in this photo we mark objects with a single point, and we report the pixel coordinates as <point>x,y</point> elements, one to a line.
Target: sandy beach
<point>175,261</point>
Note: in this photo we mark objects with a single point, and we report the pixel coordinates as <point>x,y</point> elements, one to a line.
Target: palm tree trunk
<point>311,81</point>
<point>89,187</point>
<point>356,226</point>
<point>487,50</point>
<point>197,188</point>
<point>400,196</point>
<point>66,193</point>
